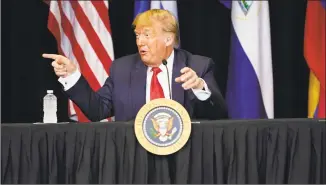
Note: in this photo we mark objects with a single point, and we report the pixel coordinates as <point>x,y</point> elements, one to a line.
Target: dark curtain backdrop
<point>205,30</point>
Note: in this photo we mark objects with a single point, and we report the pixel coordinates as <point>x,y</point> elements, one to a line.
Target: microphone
<point>164,63</point>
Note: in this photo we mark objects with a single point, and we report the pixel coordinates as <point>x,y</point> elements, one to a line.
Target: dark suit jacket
<point>124,92</point>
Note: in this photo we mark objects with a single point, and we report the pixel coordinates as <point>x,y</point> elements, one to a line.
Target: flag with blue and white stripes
<point>249,92</point>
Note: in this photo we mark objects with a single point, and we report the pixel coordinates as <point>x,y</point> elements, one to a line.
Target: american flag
<point>83,34</point>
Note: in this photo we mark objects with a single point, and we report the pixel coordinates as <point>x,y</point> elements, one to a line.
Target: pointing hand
<point>63,67</point>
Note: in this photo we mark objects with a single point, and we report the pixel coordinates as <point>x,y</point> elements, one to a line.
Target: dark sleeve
<point>95,105</point>
<point>214,107</point>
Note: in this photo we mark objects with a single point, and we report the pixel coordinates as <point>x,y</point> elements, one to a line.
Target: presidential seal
<point>162,126</point>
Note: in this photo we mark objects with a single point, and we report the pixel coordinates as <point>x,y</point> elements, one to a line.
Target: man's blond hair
<point>166,18</point>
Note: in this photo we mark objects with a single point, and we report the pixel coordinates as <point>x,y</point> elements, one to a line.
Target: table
<point>241,151</point>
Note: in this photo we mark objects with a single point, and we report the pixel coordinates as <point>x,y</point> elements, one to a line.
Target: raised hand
<point>189,79</point>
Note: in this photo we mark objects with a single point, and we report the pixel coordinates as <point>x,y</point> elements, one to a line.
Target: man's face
<point>150,43</point>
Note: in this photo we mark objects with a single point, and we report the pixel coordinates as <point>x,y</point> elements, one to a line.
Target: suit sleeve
<point>95,105</point>
<point>214,107</point>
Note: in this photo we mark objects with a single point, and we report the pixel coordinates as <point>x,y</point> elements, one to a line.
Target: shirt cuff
<point>70,80</point>
<point>202,94</point>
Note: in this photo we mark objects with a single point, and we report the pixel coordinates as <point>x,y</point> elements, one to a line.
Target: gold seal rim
<point>186,124</point>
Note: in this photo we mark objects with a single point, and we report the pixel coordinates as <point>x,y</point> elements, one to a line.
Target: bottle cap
<point>49,91</point>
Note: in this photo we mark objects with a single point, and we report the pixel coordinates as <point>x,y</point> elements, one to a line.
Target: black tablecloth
<point>260,151</point>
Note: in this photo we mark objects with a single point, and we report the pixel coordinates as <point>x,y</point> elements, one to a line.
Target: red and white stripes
<point>83,34</point>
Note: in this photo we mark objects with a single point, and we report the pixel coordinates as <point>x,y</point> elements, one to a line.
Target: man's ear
<point>168,40</point>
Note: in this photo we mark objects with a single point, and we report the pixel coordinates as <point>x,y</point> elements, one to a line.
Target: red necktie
<point>156,88</point>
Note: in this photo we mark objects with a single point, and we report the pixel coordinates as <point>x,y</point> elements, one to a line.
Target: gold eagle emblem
<point>157,127</point>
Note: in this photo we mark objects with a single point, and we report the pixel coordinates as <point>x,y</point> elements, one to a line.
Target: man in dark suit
<point>139,78</point>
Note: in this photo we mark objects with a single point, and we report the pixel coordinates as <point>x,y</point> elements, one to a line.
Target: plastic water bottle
<point>50,107</point>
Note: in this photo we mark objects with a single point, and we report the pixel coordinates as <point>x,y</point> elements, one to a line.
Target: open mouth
<point>143,52</point>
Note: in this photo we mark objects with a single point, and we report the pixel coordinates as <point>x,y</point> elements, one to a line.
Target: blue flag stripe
<point>244,96</point>
<point>323,3</point>
<point>141,6</point>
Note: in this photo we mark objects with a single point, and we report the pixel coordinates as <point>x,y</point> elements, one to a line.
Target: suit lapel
<point>138,85</point>
<point>178,64</point>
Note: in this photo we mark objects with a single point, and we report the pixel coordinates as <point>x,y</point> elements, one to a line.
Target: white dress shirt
<point>202,95</point>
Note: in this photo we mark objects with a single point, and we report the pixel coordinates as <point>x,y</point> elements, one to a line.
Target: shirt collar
<point>170,60</point>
